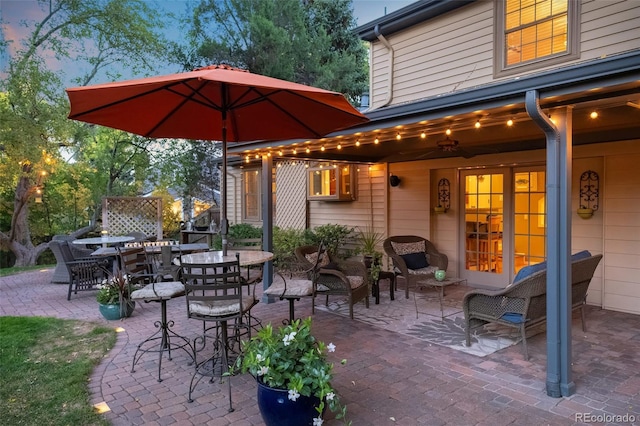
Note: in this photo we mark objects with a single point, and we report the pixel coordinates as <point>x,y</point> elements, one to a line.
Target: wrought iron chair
<point>84,273</point>
<point>254,272</point>
<point>333,277</point>
<point>214,295</point>
<point>134,263</point>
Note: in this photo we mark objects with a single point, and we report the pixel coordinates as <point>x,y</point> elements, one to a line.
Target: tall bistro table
<point>105,241</point>
<point>247,257</point>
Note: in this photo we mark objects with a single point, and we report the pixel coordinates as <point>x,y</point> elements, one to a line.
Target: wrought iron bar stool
<point>214,295</point>
<point>134,263</point>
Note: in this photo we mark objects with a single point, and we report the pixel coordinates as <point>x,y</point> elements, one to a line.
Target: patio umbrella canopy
<point>217,103</point>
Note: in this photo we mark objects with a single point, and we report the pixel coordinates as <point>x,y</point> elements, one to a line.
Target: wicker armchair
<point>344,278</point>
<point>523,304</point>
<point>401,245</point>
<point>61,273</point>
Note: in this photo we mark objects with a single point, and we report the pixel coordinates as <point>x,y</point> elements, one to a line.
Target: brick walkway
<point>390,379</point>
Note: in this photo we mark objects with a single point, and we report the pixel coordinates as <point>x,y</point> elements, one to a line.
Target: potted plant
<point>293,375</point>
<point>585,212</point>
<point>114,297</point>
<point>368,241</point>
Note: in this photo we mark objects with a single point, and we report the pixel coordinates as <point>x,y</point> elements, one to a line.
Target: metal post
<point>267,216</point>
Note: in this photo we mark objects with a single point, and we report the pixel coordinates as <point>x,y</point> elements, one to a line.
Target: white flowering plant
<point>114,290</point>
<point>291,358</point>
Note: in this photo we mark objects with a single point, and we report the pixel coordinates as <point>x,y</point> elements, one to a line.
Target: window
<point>251,194</point>
<point>530,218</point>
<point>331,182</point>
<point>531,34</point>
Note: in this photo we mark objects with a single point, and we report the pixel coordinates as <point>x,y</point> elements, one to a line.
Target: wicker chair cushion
<point>219,308</point>
<point>407,248</point>
<point>313,258</point>
<point>355,281</point>
<point>294,288</point>
<point>415,260</point>
<point>161,290</point>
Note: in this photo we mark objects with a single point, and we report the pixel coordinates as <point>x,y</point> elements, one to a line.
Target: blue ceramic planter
<point>113,312</point>
<point>278,410</point>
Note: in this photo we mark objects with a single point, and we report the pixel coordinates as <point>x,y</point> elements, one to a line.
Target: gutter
<point>386,44</point>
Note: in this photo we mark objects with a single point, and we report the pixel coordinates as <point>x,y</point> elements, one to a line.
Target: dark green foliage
<point>332,235</point>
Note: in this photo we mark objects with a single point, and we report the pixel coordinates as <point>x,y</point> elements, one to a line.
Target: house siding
<point>621,233</point>
<point>455,51</point>
<point>368,209</point>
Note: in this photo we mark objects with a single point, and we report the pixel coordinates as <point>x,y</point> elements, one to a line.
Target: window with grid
<point>535,33</point>
<point>251,193</point>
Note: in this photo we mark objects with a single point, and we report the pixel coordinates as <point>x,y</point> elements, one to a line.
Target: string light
<point>478,124</point>
<point>308,150</point>
<point>510,122</point>
<point>398,136</point>
<point>358,142</point>
<point>322,148</point>
<point>257,156</point>
<point>376,141</point>
<point>423,135</point>
<point>246,159</point>
<point>295,151</point>
<point>593,115</point>
<point>448,132</point>
<point>339,147</point>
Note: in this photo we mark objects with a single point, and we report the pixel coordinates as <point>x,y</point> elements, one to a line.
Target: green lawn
<point>14,270</point>
<point>45,365</point>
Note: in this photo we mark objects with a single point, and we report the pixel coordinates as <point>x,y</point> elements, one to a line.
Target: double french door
<point>504,223</point>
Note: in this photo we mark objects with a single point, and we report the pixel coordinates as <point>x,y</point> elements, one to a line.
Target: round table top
<point>247,257</point>
<point>104,240</point>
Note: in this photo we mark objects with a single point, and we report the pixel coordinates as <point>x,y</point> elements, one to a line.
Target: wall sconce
<point>394,180</point>
<point>444,196</point>
<point>589,194</point>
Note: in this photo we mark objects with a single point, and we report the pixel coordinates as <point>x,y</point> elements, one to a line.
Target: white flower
<point>331,347</point>
<point>289,338</point>
<point>259,358</point>
<point>293,394</point>
<point>317,421</point>
<point>263,370</point>
<point>330,396</point>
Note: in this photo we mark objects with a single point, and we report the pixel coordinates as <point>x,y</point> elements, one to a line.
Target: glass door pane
<point>484,224</point>
<point>530,218</point>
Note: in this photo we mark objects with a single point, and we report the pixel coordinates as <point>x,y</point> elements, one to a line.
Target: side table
<point>375,287</point>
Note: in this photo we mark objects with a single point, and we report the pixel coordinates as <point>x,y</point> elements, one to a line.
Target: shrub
<point>334,236</point>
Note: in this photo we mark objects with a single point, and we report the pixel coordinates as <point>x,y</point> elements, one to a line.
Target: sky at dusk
<point>12,12</point>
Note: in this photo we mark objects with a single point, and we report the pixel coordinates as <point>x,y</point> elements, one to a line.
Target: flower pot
<point>440,274</point>
<point>585,213</point>
<point>439,209</point>
<point>113,312</point>
<point>278,410</point>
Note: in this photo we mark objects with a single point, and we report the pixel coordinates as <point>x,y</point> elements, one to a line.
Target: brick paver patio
<point>390,379</point>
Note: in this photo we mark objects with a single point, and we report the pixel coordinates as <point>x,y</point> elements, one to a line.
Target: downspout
<point>558,277</point>
<point>386,44</point>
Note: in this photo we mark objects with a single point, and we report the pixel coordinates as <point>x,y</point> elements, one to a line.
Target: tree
<point>94,34</point>
<point>305,41</point>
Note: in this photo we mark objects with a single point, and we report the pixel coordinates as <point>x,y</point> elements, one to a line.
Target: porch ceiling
<point>617,120</point>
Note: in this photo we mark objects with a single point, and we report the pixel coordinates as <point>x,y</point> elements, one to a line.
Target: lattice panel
<point>121,215</point>
<point>291,205</point>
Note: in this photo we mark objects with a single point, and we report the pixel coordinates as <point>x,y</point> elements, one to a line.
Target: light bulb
<point>478,124</point>
<point>358,142</point>
<point>322,148</point>
<point>376,141</point>
<point>593,115</point>
<point>308,150</point>
<point>423,135</point>
<point>448,132</point>
<point>509,122</point>
<point>339,147</point>
<point>398,136</point>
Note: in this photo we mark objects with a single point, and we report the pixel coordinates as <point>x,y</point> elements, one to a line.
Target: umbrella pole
<point>224,224</point>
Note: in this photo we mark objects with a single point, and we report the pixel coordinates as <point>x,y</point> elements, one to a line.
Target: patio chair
<point>78,251</point>
<point>294,289</point>
<point>84,273</point>
<point>333,277</point>
<point>413,257</point>
<point>254,272</point>
<point>214,295</point>
<point>134,263</point>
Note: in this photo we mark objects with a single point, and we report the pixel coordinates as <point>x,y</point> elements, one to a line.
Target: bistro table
<point>155,249</point>
<point>247,257</point>
<point>105,241</point>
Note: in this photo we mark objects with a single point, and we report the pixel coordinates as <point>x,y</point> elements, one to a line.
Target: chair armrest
<point>439,259</point>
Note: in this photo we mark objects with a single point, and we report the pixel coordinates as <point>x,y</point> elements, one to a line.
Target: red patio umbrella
<point>218,103</point>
